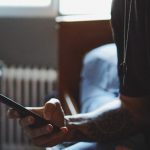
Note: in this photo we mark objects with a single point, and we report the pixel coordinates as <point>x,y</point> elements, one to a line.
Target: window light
<point>85,7</point>
<point>25,3</point>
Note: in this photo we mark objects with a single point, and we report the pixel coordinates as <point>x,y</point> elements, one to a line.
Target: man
<point>126,116</point>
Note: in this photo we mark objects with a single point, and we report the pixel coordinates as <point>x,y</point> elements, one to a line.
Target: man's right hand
<point>44,136</point>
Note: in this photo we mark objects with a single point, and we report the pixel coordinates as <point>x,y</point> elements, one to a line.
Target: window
<point>28,8</point>
<point>25,3</point>
<point>85,7</point>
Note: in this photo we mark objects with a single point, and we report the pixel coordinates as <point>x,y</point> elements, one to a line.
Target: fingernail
<point>49,128</point>
<point>64,130</point>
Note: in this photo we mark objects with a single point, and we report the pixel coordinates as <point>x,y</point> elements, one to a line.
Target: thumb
<point>54,112</point>
<point>49,109</point>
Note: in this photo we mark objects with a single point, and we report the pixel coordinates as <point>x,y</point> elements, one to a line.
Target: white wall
<point>28,41</point>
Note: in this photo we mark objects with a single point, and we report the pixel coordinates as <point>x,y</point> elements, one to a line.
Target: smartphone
<point>25,112</point>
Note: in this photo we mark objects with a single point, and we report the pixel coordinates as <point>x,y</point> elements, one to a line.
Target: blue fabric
<point>99,78</point>
<point>83,146</point>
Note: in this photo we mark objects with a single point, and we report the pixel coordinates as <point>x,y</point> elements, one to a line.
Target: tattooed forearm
<point>112,125</point>
<point>109,123</point>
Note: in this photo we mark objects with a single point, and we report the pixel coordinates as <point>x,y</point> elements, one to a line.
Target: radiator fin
<point>28,86</point>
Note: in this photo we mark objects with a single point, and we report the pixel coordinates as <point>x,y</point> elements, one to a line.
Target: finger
<point>27,121</point>
<point>51,140</point>
<point>50,108</point>
<point>37,132</point>
<point>57,138</point>
<point>12,114</point>
<point>37,110</point>
<point>54,112</point>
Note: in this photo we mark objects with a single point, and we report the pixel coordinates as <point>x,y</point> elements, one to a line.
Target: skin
<point>110,122</point>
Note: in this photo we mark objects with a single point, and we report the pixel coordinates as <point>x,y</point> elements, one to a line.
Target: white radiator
<point>28,86</point>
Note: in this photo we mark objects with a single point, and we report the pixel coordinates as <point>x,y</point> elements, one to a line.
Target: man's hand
<point>44,136</point>
<point>108,123</point>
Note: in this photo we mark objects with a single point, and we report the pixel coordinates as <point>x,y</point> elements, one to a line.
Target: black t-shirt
<point>137,78</point>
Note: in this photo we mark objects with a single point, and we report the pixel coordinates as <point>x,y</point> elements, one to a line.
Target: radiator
<point>28,86</point>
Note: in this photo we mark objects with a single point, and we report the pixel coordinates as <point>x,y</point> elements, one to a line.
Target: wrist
<point>77,127</point>
<point>71,129</point>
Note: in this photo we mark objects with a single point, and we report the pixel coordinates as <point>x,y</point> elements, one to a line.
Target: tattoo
<point>102,126</point>
<point>112,125</point>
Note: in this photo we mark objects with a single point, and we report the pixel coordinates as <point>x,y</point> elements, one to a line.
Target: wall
<point>28,41</point>
<point>76,38</point>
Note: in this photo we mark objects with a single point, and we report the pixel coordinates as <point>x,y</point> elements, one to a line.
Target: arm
<point>109,123</point>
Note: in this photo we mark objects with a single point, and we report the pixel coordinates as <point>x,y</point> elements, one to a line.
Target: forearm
<point>109,123</point>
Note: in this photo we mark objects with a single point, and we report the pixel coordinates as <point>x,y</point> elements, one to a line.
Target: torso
<point>137,83</point>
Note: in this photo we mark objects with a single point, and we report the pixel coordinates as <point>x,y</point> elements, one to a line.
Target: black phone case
<point>25,112</point>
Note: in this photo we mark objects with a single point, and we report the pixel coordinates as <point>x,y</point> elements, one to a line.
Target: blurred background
<point>38,38</point>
